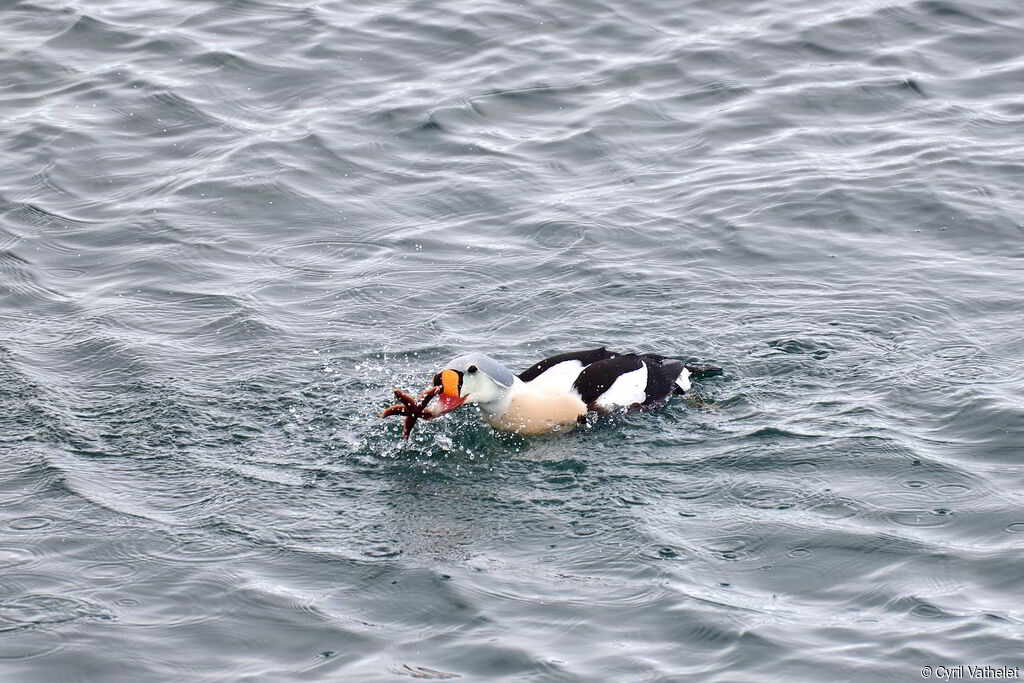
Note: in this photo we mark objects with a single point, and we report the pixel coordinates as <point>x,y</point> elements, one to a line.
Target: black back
<point>587,358</point>
<point>662,374</point>
<point>597,377</point>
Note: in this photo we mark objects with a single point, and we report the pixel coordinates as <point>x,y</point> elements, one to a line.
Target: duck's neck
<point>498,406</point>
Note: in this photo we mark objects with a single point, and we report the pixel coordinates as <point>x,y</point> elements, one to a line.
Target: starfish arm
<point>404,397</point>
<point>393,410</point>
<point>410,421</point>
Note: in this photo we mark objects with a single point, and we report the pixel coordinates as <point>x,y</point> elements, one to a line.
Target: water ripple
<point>228,229</point>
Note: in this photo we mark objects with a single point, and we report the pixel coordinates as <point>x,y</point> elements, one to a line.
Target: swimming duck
<point>555,394</point>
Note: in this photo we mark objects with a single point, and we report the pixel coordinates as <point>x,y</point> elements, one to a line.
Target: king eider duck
<point>554,395</point>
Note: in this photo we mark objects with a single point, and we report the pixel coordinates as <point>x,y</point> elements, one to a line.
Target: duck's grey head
<point>474,378</point>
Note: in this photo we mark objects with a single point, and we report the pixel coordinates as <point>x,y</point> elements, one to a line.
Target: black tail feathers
<point>699,370</point>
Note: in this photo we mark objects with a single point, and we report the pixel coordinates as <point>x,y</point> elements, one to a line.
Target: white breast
<point>627,389</point>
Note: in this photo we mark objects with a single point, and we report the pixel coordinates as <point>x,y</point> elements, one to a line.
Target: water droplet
<point>30,523</point>
<point>913,517</point>
<point>927,611</point>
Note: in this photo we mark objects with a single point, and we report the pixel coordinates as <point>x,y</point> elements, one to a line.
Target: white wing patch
<point>627,389</point>
<point>557,379</point>
<point>683,381</point>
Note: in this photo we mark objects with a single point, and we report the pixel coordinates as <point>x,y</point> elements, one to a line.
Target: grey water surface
<point>229,227</point>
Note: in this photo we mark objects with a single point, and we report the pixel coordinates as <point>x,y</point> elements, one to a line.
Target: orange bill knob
<point>450,381</point>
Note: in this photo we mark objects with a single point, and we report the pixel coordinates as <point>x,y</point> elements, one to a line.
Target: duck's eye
<point>471,369</point>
